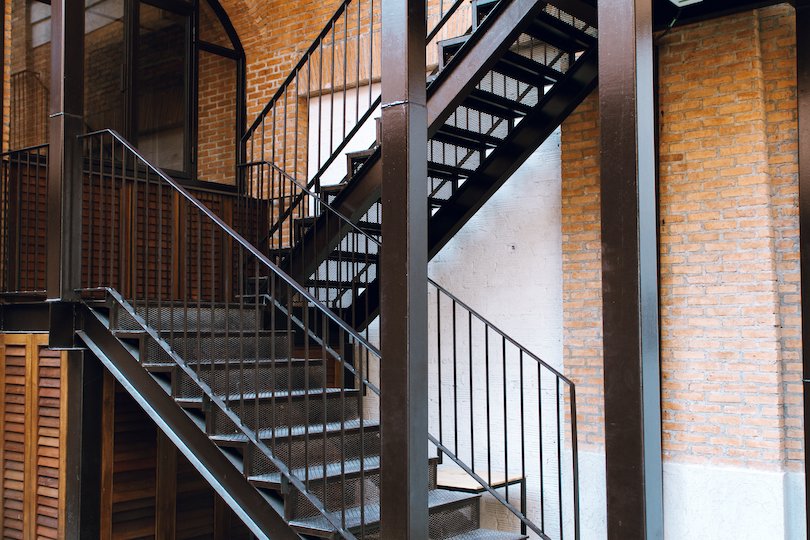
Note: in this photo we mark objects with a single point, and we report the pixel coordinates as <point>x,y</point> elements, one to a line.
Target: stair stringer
<point>247,503</point>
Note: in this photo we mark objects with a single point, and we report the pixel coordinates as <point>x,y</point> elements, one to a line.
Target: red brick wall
<point>582,268</point>
<point>729,246</point>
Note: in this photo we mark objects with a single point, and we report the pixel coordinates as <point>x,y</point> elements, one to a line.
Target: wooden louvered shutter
<point>32,412</point>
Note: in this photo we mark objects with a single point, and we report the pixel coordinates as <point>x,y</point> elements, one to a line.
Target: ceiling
<point>664,11</point>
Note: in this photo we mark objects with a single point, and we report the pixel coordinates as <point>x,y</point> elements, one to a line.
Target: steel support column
<point>403,270</point>
<point>65,153</point>
<point>83,422</point>
<point>83,451</point>
<point>803,91</point>
<point>630,271</point>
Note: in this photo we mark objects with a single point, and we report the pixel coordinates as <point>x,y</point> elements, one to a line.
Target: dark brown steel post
<point>64,268</point>
<point>403,290</point>
<point>630,271</point>
<point>803,91</point>
<point>65,153</point>
<point>83,450</point>
<point>3,68</point>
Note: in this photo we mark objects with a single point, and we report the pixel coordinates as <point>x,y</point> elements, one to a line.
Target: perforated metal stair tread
<point>526,70</point>
<point>438,499</point>
<point>496,105</point>
<point>317,393</point>
<point>283,432</point>
<point>560,33</point>
<point>463,137</point>
<point>349,468</point>
<point>487,534</point>
<point>192,333</point>
<point>248,363</point>
<point>170,365</point>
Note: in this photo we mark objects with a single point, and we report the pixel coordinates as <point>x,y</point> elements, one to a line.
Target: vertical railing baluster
<point>439,362</point>
<point>540,432</point>
<point>455,377</point>
<point>505,420</point>
<point>559,458</point>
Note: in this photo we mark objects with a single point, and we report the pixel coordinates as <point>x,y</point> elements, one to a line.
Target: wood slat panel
<point>49,442</point>
<point>14,418</point>
<point>32,409</point>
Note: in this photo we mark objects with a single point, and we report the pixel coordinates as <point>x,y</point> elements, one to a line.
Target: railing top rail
<point>239,239</point>
<point>24,150</point>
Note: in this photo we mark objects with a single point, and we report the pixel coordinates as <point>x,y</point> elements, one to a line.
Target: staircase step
<point>559,34</point>
<point>180,316</point>
<point>350,468</point>
<point>482,8</point>
<point>355,160</point>
<point>210,347</point>
<point>446,172</point>
<point>448,49</point>
<point>466,138</point>
<point>333,284</point>
<point>319,446</point>
<point>369,227</point>
<point>438,501</point>
<point>354,256</point>
<point>526,70</point>
<point>284,432</point>
<point>274,410</point>
<point>249,375</point>
<point>278,396</point>
<point>496,105</point>
<point>487,534</point>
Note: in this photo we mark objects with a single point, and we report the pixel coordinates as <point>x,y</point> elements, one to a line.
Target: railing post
<point>65,152</point>
<point>630,271</point>
<point>403,270</point>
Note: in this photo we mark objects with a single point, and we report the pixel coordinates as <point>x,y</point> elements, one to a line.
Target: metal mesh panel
<point>249,377</point>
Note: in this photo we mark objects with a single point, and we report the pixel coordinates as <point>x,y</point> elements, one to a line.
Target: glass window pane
<point>30,73</point>
<point>216,119</point>
<point>104,90</point>
<point>161,87</point>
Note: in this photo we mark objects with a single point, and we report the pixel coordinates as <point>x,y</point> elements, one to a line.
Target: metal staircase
<point>518,89</point>
<point>249,344</point>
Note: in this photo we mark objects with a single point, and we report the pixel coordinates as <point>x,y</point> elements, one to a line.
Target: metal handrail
<point>289,281</point>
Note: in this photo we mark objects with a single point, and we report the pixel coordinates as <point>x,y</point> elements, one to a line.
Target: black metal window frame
<point>195,44</point>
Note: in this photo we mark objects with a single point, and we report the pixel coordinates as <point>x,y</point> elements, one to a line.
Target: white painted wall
<point>506,263</point>
<point>329,110</point>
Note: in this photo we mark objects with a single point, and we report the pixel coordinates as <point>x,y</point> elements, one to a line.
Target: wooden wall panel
<point>143,505</point>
